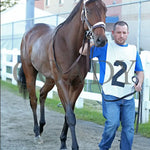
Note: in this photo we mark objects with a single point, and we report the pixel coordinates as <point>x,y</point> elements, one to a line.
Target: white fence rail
<point>9,59</point>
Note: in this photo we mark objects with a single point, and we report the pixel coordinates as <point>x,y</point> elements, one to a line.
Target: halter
<point>84,18</point>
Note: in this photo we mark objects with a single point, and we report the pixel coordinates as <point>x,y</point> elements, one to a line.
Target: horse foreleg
<point>71,121</point>
<point>68,101</point>
<point>74,91</point>
<point>49,84</point>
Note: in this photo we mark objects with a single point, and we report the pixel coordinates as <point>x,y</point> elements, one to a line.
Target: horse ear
<point>83,10</point>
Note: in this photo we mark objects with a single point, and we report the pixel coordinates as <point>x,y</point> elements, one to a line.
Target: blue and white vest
<point>117,66</point>
<point>120,67</point>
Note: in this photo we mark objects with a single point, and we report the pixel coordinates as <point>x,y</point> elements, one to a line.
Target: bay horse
<point>52,52</point>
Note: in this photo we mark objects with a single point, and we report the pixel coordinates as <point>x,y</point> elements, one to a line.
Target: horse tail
<point>22,82</point>
<point>21,79</point>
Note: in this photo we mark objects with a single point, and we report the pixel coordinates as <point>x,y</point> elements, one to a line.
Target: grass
<point>91,111</point>
<point>144,129</point>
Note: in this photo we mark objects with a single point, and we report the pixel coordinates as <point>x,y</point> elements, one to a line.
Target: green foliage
<point>4,4</point>
<point>90,115</point>
<point>8,86</point>
<point>144,129</point>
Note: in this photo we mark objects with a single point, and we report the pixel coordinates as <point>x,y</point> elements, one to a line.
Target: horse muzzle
<point>100,41</point>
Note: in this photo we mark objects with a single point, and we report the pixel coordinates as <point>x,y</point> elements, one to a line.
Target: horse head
<point>93,16</point>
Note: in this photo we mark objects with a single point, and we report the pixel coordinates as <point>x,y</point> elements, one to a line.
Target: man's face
<point>120,34</point>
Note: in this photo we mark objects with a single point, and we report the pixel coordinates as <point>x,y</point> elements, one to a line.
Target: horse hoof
<point>38,140</point>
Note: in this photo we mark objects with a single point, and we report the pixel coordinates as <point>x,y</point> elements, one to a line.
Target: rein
<point>78,58</point>
<point>136,81</point>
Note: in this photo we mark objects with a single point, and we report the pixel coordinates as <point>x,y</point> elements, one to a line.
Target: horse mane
<point>74,11</point>
<point>71,16</point>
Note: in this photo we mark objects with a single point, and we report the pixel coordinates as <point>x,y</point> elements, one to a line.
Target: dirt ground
<point>17,129</point>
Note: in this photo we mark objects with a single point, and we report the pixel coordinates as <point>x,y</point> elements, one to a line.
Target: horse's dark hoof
<point>38,140</point>
<point>63,146</point>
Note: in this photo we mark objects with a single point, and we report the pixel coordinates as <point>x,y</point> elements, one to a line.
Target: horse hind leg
<point>49,84</point>
<point>30,74</point>
<point>63,136</point>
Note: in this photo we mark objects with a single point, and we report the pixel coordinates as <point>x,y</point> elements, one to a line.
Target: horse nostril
<point>103,43</point>
<point>100,42</point>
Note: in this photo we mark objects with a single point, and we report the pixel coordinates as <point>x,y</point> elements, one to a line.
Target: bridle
<point>84,19</point>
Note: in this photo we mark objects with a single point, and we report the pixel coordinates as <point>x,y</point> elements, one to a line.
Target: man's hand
<point>84,51</point>
<point>138,87</point>
<point>140,75</point>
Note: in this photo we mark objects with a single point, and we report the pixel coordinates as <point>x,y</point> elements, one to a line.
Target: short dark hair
<point>120,23</point>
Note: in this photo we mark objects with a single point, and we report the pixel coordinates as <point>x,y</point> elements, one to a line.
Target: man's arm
<point>140,75</point>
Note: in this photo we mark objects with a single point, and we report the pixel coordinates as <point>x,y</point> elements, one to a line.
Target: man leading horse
<point>118,61</point>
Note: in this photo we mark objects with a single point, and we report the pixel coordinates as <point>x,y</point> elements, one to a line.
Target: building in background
<point>40,4</point>
<point>63,6</point>
<point>56,6</point>
<point>138,17</point>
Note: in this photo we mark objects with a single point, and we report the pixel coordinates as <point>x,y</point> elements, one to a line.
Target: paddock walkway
<point>17,129</point>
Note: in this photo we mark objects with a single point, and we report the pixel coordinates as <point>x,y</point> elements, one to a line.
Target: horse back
<point>35,46</point>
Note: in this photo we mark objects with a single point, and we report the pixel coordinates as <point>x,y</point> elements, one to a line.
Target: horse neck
<point>75,32</point>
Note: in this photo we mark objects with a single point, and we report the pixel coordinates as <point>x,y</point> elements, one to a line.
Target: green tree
<point>4,4</point>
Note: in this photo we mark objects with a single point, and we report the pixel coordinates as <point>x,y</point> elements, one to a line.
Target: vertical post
<point>138,48</point>
<point>29,14</point>
<point>57,16</point>
<point>79,103</point>
<point>139,27</point>
<point>12,46</point>
<point>3,64</point>
<point>145,55</point>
